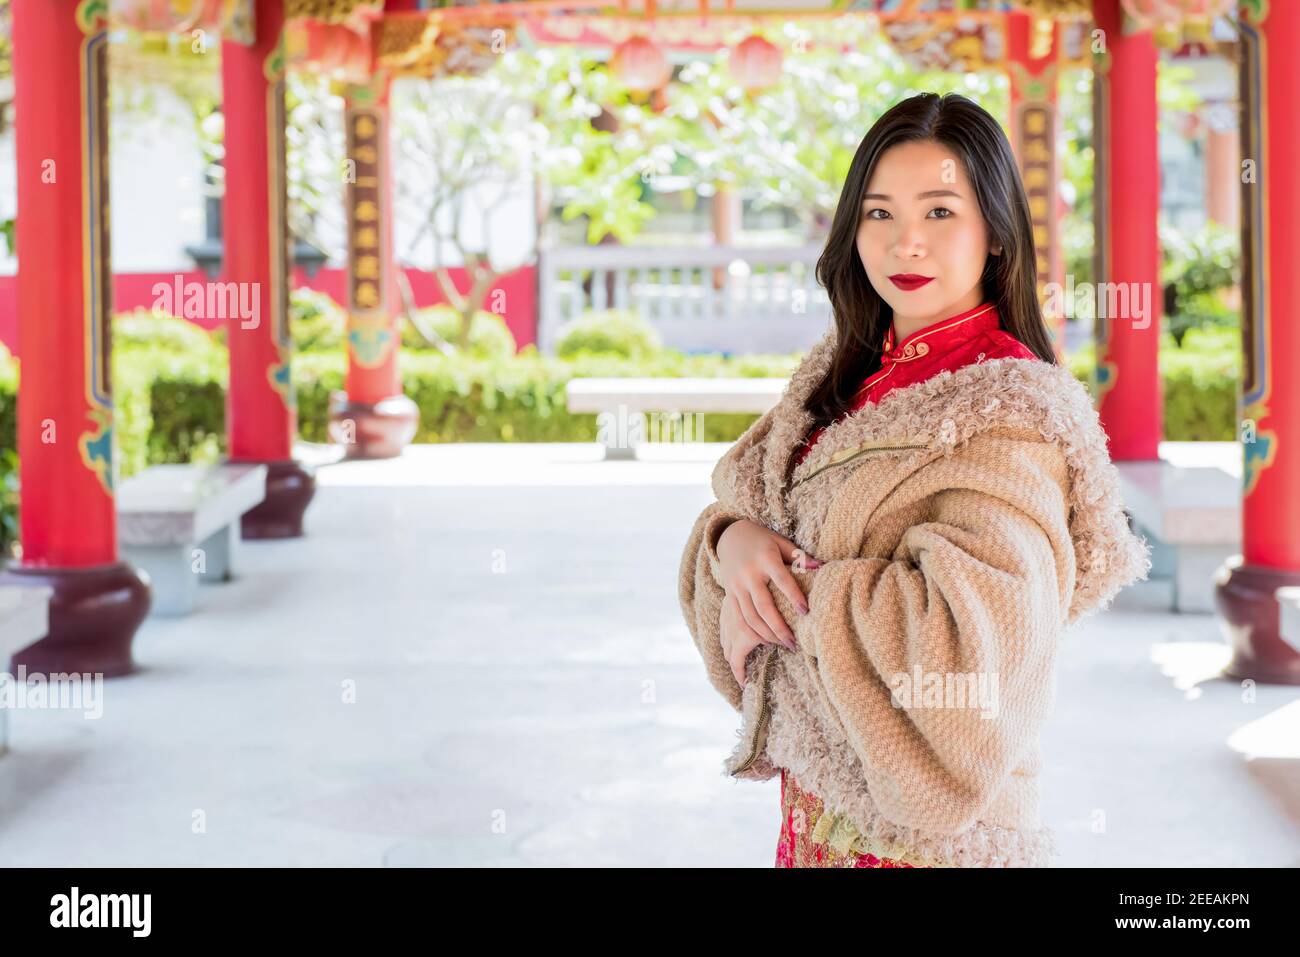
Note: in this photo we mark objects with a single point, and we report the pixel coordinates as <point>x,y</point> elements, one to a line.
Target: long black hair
<point>862,317</point>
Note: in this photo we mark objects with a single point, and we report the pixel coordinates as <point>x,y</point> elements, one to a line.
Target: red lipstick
<point>908,281</point>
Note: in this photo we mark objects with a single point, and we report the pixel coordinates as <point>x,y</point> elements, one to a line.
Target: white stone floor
<point>526,694</point>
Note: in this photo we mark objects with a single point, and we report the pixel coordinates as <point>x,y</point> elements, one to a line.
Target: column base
<point>289,488</point>
<point>1250,618</point>
<point>94,614</point>
<point>377,430</point>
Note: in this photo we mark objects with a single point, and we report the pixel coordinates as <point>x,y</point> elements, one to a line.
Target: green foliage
<point>1201,383</point>
<point>188,417</point>
<point>145,329</point>
<point>789,145</point>
<point>519,398</point>
<point>1203,310</point>
<point>8,502</point>
<point>168,391</point>
<point>589,171</point>
<point>316,322</point>
<point>489,335</point>
<point>170,401</point>
<point>1074,147</point>
<point>1200,262</point>
<point>614,332</point>
<point>1200,380</point>
<point>792,144</point>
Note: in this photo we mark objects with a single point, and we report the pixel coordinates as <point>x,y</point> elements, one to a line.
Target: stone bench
<point>24,620</point>
<point>180,523</point>
<point>1192,515</point>
<point>626,399</point>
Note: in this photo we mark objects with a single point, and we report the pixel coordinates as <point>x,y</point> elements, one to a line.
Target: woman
<point>897,547</point>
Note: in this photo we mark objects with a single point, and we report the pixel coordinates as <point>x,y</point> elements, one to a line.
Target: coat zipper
<point>859,452</point>
<point>761,720</point>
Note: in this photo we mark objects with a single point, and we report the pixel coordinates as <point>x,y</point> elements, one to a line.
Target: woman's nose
<point>909,244</point>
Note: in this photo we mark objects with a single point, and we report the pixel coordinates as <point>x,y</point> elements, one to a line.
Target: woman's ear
<point>996,250</point>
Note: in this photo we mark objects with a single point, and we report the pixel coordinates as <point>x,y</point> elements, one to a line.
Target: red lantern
<point>147,16</point>
<point>320,45</point>
<point>356,60</point>
<point>172,16</point>
<point>640,64</point>
<point>1150,13</point>
<point>1197,17</point>
<point>207,15</point>
<point>1176,21</point>
<point>756,63</point>
<point>1200,9</point>
<point>335,49</point>
<point>1158,13</point>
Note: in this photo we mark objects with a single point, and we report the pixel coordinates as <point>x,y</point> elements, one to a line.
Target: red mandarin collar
<point>944,345</point>
<point>940,337</point>
<point>930,349</point>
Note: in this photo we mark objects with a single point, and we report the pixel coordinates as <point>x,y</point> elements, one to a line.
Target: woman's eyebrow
<point>928,194</point>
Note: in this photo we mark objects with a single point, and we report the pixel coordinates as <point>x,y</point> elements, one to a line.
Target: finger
<point>771,626</point>
<point>772,616</point>
<point>786,547</point>
<point>802,561</point>
<point>754,618</point>
<point>790,587</point>
<point>740,653</point>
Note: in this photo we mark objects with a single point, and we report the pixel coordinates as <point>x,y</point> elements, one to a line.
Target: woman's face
<point>920,218</point>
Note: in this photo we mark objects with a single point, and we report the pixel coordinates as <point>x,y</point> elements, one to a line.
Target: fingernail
<point>803,608</point>
<point>813,563</point>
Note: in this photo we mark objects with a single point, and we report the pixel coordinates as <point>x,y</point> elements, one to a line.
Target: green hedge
<point>615,332</point>
<point>520,399</point>
<point>1200,383</point>
<point>170,394</point>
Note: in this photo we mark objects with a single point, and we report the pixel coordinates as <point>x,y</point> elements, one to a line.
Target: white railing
<point>736,299</point>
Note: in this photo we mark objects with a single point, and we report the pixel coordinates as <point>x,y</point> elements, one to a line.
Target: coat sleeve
<point>973,597</point>
<point>701,593</point>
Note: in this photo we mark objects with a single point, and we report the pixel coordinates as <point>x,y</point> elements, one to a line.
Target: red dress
<point>971,336</point>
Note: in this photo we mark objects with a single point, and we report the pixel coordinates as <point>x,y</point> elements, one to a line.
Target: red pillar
<point>261,414</point>
<point>1127,274</point>
<point>65,404</point>
<point>372,419</point>
<point>1270,400</point>
<point>1032,47</point>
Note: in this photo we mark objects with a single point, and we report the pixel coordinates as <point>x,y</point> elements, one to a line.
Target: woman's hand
<point>749,557</point>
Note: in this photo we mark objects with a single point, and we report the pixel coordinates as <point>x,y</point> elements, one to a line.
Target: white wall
<point>154,171</point>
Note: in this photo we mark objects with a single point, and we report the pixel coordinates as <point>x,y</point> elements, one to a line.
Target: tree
<point>792,144</point>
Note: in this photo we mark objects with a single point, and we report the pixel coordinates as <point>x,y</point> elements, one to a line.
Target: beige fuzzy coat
<point>964,522</point>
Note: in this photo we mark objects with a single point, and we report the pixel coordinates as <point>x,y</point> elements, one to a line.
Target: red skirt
<point>799,846</point>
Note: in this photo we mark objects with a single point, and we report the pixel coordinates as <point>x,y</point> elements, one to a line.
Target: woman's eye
<point>936,209</point>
